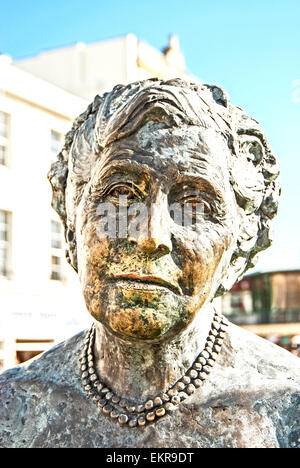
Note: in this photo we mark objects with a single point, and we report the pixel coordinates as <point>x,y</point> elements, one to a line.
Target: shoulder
<point>251,398</point>
<point>256,380</point>
<point>252,354</point>
<point>254,366</point>
<point>34,390</point>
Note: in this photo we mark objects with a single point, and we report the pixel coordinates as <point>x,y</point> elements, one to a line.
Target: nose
<point>154,236</point>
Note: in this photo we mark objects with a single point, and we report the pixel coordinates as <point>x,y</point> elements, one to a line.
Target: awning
<point>274,329</point>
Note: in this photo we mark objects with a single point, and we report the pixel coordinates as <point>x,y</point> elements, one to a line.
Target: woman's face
<point>145,270</point>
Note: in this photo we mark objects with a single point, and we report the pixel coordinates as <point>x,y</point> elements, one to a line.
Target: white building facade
<point>40,300</point>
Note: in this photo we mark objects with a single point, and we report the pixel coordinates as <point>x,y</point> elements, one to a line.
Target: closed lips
<point>149,279</point>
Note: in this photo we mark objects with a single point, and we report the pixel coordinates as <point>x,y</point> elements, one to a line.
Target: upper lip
<point>150,279</point>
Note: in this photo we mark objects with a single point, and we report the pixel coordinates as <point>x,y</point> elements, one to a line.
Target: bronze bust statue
<point>167,193</point>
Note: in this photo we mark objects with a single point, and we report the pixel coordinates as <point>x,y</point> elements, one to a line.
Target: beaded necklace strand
<point>127,412</point>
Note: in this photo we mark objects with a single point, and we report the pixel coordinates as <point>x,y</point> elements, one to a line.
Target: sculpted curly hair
<point>253,167</point>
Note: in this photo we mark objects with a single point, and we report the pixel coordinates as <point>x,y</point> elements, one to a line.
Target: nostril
<point>151,246</point>
<point>162,250</point>
<point>131,241</point>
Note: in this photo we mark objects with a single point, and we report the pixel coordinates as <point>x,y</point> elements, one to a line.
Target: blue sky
<point>252,49</point>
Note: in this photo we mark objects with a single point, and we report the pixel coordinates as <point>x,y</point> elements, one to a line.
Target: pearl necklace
<point>127,412</point>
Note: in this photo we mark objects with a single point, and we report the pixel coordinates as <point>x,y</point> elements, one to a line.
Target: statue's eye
<point>124,191</point>
<point>195,203</point>
<point>202,206</point>
<point>189,210</point>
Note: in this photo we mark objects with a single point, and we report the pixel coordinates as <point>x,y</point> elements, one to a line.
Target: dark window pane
<point>56,244</point>
<point>3,217</point>
<point>55,276</point>
<point>55,260</point>
<point>3,124</point>
<point>3,261</point>
<point>2,155</point>
<point>3,226</point>
<point>3,235</point>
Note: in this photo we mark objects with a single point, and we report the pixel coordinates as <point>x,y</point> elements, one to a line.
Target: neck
<point>139,370</point>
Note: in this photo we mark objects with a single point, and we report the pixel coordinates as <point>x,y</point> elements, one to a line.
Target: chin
<point>139,323</point>
<point>151,316</point>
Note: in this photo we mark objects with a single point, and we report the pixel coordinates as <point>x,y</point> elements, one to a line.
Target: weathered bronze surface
<point>149,281</point>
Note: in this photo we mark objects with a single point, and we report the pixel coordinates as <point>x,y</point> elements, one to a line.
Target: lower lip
<point>131,284</point>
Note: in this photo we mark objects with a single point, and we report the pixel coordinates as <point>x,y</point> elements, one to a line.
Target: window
<point>56,237</point>
<point>4,138</point>
<point>57,251</point>
<point>4,243</point>
<point>56,144</point>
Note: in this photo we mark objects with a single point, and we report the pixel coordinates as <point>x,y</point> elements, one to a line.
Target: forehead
<point>185,149</point>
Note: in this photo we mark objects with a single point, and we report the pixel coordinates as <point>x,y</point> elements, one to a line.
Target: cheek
<point>102,258</point>
<point>202,252</point>
<point>92,252</point>
<point>93,257</point>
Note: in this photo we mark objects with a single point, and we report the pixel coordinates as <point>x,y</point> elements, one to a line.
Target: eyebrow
<point>203,183</point>
<point>130,166</point>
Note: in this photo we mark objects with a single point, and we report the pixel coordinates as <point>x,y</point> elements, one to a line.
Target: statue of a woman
<point>166,192</point>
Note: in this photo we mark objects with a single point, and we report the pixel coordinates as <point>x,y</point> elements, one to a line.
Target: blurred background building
<point>89,69</point>
<point>267,304</point>
<point>35,284</point>
<point>41,301</point>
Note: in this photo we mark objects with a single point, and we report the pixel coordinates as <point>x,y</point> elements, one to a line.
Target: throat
<point>137,383</point>
<point>142,369</point>
<point>138,371</point>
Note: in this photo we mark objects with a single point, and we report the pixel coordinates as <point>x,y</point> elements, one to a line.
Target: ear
<point>254,179</point>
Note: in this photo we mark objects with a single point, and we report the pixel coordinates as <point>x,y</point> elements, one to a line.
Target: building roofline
<point>27,87</point>
<point>271,272</point>
<point>72,45</point>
